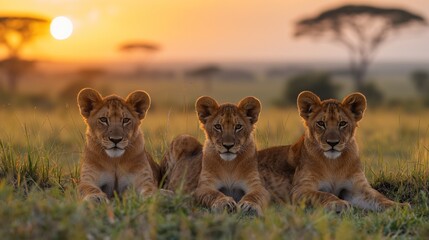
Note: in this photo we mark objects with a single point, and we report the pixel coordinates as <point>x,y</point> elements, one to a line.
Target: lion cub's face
<point>331,123</point>
<point>228,126</point>
<point>112,121</point>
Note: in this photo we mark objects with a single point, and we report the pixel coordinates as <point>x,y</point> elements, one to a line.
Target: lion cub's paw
<point>250,208</point>
<point>338,206</point>
<point>224,203</point>
<point>96,198</point>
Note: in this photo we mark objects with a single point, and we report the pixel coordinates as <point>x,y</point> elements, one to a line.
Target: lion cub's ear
<point>307,103</point>
<point>356,103</point>
<point>205,106</point>
<point>139,102</point>
<point>251,107</point>
<point>87,99</point>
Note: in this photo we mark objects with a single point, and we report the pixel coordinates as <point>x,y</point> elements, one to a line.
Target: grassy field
<point>39,171</point>
<point>39,154</point>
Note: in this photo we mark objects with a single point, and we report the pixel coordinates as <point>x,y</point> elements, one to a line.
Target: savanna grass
<point>39,171</point>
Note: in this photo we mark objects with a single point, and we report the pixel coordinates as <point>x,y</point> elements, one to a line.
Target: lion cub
<point>114,157</point>
<point>325,162</point>
<point>229,175</point>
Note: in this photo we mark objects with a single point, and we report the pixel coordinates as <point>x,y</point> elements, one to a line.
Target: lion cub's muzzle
<point>228,151</point>
<point>115,147</point>
<point>332,149</point>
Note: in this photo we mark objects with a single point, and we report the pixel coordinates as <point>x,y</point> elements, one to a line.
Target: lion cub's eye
<point>125,120</point>
<point>218,127</point>
<point>103,120</point>
<point>238,127</point>
<point>343,124</point>
<point>321,124</point>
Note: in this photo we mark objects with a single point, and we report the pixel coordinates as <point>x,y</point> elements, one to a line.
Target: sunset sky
<point>203,30</point>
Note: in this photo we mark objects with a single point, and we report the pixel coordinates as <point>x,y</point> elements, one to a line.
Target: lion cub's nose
<point>228,145</point>
<point>333,143</point>
<point>115,140</point>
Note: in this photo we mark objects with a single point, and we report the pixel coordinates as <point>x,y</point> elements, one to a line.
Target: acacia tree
<point>361,29</point>
<point>15,33</point>
<point>145,48</point>
<point>141,46</point>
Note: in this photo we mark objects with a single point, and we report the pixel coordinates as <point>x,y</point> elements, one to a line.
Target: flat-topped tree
<point>15,33</point>
<point>361,29</point>
<point>146,49</point>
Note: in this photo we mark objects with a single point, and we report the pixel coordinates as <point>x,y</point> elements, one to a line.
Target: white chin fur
<point>114,153</point>
<point>228,156</point>
<point>332,154</point>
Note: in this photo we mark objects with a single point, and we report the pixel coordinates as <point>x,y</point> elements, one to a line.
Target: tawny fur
<point>114,157</point>
<point>227,179</point>
<point>325,162</point>
<point>181,165</point>
<point>276,167</point>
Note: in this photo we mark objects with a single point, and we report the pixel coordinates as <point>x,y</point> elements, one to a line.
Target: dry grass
<point>39,154</point>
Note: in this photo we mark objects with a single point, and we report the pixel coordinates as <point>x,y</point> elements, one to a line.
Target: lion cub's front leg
<point>314,197</point>
<point>224,203</point>
<point>366,197</point>
<point>215,200</point>
<point>253,202</point>
<point>145,185</point>
<point>207,195</point>
<point>256,199</point>
<point>91,193</point>
<point>144,181</point>
<point>305,190</point>
<point>88,188</point>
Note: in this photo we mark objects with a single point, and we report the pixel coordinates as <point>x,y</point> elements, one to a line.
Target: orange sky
<point>208,30</point>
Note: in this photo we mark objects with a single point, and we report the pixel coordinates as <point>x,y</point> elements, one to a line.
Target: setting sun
<point>61,28</point>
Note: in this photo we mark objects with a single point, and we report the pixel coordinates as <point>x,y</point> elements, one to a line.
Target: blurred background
<point>180,50</point>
